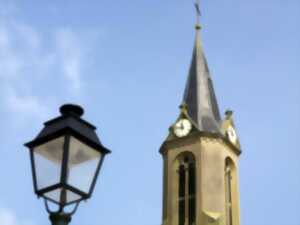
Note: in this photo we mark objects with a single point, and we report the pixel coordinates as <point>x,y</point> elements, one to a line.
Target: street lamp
<point>66,158</point>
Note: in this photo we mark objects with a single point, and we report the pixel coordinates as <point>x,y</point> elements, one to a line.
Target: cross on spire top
<point>198,14</point>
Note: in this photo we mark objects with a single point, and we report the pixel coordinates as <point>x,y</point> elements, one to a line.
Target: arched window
<point>229,190</point>
<point>186,190</point>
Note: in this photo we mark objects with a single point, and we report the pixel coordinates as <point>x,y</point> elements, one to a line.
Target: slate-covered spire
<point>199,96</point>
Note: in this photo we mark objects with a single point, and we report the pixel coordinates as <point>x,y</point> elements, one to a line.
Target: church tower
<point>200,155</point>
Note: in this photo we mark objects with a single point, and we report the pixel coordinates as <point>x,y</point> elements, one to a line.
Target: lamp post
<point>66,158</point>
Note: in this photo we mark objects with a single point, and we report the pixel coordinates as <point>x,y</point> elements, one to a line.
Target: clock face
<point>182,128</point>
<point>232,134</point>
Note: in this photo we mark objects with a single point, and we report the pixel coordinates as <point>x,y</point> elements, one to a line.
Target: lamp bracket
<point>61,209</point>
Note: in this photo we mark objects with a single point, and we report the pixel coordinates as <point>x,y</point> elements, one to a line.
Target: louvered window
<point>186,191</point>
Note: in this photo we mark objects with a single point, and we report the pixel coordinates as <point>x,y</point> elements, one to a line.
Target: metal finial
<point>183,107</point>
<point>228,113</point>
<point>70,109</point>
<point>198,13</point>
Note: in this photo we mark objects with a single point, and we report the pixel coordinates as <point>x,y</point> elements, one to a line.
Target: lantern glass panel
<point>62,196</point>
<point>82,165</point>
<point>54,195</point>
<point>71,197</point>
<point>47,163</point>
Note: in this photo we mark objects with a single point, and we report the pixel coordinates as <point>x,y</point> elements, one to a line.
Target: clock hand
<point>181,126</point>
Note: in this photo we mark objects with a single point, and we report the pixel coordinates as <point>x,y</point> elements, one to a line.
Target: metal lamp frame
<point>68,125</point>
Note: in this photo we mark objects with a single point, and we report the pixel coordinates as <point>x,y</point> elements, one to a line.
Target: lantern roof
<point>70,122</point>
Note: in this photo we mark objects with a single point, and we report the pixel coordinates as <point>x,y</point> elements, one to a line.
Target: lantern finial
<point>70,109</point>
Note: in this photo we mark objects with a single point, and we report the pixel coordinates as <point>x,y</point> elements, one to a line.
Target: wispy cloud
<point>70,52</point>
<point>36,67</point>
<point>30,105</point>
<point>18,54</point>
<point>8,217</point>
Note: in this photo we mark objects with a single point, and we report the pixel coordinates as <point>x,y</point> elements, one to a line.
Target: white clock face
<point>232,134</point>
<point>182,128</point>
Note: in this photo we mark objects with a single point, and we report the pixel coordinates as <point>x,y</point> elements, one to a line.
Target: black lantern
<point>66,158</point>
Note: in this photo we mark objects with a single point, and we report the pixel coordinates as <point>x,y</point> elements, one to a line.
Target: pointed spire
<point>199,95</point>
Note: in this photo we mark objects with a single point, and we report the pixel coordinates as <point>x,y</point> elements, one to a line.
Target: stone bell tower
<point>200,155</point>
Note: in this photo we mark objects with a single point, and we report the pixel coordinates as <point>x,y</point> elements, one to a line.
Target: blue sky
<point>126,63</point>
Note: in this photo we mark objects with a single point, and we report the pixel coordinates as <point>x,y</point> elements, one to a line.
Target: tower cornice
<point>196,136</point>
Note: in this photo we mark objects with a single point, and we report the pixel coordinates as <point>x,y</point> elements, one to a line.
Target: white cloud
<point>35,67</point>
<point>8,217</point>
<point>29,105</point>
<point>19,53</point>
<point>70,51</point>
